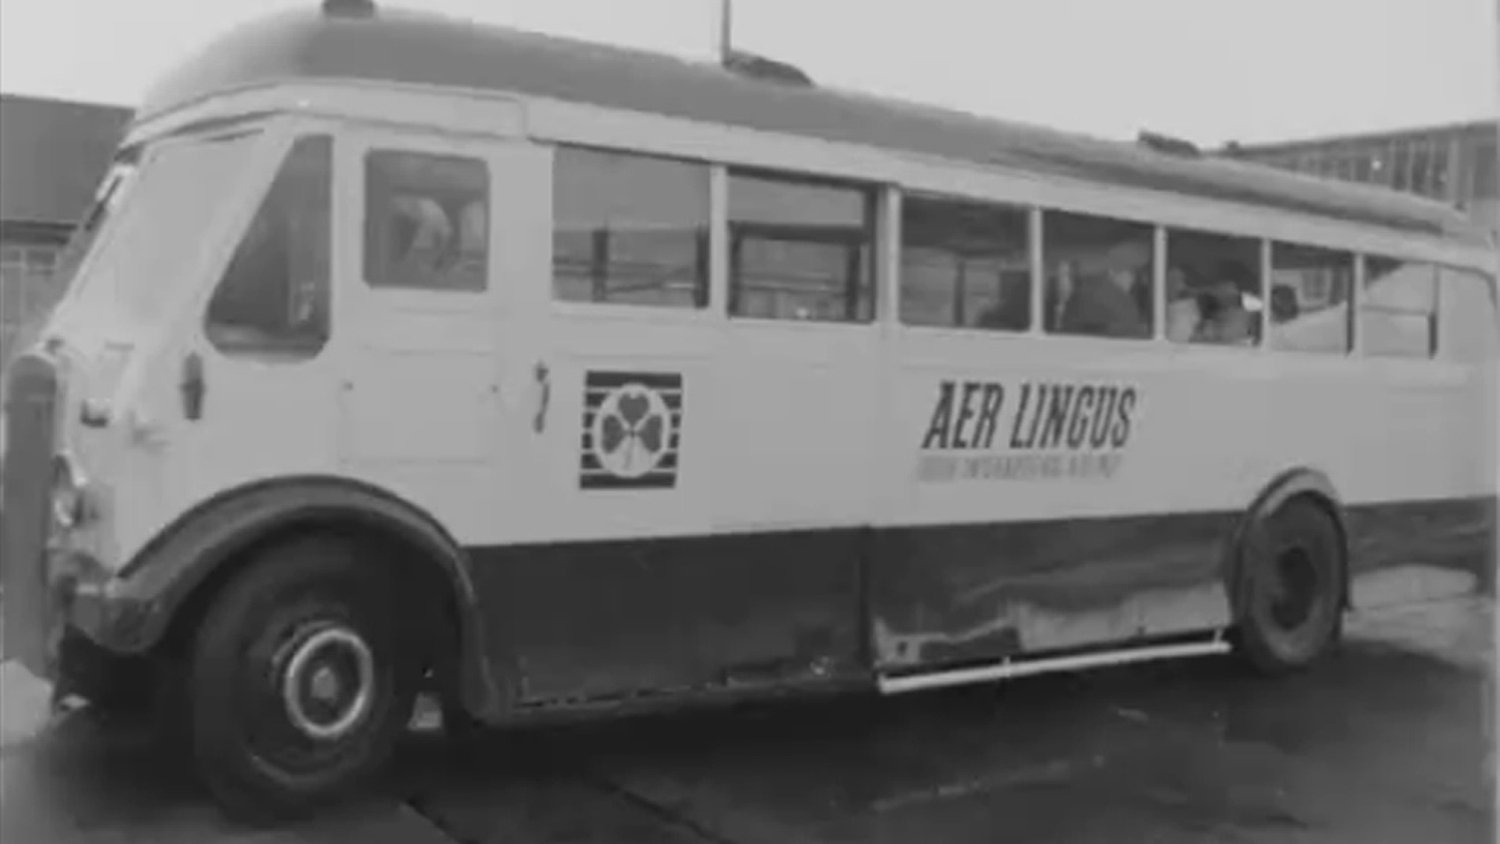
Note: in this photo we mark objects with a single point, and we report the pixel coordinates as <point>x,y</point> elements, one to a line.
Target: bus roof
<point>422,49</point>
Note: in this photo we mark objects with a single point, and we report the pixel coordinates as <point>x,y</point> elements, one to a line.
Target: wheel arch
<point>164,590</point>
<point>1300,482</point>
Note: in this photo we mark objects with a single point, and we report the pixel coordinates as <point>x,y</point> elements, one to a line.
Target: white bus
<point>406,354</point>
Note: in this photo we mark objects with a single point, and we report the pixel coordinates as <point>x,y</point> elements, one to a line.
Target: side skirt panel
<point>624,624</point>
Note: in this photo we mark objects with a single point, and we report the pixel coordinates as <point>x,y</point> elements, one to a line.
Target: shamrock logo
<point>631,430</point>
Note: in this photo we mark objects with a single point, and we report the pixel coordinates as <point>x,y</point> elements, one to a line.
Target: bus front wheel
<point>300,686</point>
<point>1292,589</point>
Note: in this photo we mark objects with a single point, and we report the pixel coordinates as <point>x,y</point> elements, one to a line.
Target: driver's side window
<point>273,297</point>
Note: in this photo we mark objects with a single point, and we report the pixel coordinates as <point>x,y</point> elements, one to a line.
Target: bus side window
<point>629,229</point>
<point>1313,315</point>
<point>1398,308</point>
<point>426,221</point>
<point>1098,275</point>
<point>1213,288</point>
<point>273,296</point>
<point>1470,322</point>
<point>801,249</point>
<point>965,264</point>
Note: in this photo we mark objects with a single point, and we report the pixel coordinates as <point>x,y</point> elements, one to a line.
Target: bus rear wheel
<point>300,686</point>
<point>1293,589</point>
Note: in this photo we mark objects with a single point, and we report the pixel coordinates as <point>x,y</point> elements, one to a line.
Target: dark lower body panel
<point>579,623</point>
<point>575,621</point>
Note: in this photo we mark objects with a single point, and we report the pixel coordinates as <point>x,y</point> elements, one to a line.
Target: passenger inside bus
<point>1108,303</point>
<point>1284,304</point>
<point>426,221</point>
<point>1213,288</point>
<point>433,247</point>
<point>420,238</point>
<point>1059,292</point>
<point>965,264</point>
<point>1311,298</point>
<point>1225,319</point>
<point>1183,310</point>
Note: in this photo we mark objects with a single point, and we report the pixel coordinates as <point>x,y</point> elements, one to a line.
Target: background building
<point>52,155</point>
<point>1457,163</point>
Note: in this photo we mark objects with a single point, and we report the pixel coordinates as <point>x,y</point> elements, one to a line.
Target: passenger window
<point>1309,304</point>
<point>273,296</point>
<point>629,229</point>
<point>800,250</point>
<point>965,265</point>
<point>1471,317</point>
<point>1213,289</point>
<point>1398,308</point>
<point>1098,275</point>
<point>426,221</point>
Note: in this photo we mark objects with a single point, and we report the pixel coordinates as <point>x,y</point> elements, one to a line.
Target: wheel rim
<point>313,687</point>
<point>326,677</point>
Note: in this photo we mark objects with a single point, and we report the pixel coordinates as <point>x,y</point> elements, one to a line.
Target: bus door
<point>421,410</point>
<point>602,584</point>
<point>248,392</point>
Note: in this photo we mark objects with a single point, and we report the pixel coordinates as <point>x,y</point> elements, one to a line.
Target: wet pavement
<point>86,782</point>
<point>1388,741</point>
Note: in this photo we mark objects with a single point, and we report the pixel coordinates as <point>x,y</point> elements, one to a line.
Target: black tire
<point>1292,584</point>
<point>465,736</point>
<point>298,603</point>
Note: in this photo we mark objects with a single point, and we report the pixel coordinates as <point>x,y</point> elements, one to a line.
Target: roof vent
<point>349,8</point>
<point>769,70</point>
<point>1169,145</point>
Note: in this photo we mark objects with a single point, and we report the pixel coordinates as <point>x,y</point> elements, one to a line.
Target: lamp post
<point>726,24</point>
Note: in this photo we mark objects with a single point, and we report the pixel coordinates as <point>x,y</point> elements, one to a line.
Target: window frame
<point>1155,278</point>
<point>1031,217</point>
<point>1259,265</point>
<point>421,147</point>
<point>876,231</point>
<point>256,201</point>
<point>1351,316</point>
<point>1433,314</point>
<point>882,202</point>
<point>711,294</point>
<point>1446,351</point>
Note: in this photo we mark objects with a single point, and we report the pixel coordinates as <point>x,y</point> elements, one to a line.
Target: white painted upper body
<point>474,405</point>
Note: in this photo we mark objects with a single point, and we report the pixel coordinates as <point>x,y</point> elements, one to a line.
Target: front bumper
<point>84,603</point>
<point>75,594</point>
<point>90,600</point>
<point>55,584</point>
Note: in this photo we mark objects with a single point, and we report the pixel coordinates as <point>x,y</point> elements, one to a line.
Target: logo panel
<point>632,430</point>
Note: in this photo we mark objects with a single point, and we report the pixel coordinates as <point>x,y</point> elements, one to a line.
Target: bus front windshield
<point>135,248</point>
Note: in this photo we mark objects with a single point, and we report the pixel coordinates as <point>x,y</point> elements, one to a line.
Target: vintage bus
<point>408,356</point>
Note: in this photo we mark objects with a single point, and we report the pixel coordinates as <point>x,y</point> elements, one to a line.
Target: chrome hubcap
<point>327,683</point>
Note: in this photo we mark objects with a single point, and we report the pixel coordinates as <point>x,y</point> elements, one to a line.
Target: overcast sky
<point>1208,70</point>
